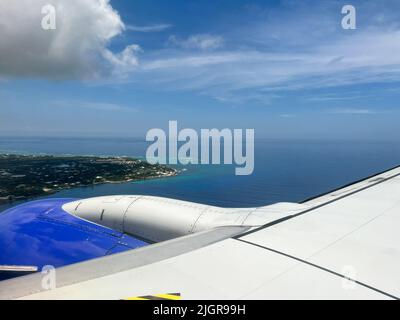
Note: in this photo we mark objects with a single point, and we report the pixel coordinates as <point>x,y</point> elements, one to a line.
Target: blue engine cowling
<point>41,233</point>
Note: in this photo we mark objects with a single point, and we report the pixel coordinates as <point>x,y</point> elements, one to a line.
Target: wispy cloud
<point>198,41</point>
<point>337,97</point>
<point>309,51</point>
<point>364,58</point>
<point>244,97</point>
<point>149,28</point>
<point>96,106</point>
<point>287,115</point>
<point>353,111</point>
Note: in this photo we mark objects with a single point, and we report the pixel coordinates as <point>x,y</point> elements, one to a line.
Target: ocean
<point>285,170</point>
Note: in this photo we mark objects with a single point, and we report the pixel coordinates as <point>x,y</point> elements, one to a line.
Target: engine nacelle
<point>158,219</point>
<point>152,218</point>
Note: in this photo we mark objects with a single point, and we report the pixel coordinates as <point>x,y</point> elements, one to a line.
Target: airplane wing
<point>341,245</point>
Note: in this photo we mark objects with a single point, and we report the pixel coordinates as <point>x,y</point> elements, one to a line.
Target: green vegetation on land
<point>23,177</point>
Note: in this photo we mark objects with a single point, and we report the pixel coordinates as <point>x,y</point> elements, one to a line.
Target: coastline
<point>137,170</point>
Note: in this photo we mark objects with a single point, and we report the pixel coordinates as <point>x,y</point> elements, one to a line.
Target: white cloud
<point>76,49</point>
<point>337,97</point>
<point>287,115</point>
<point>98,106</point>
<point>365,57</point>
<point>198,41</point>
<point>353,111</point>
<point>150,28</point>
<point>125,61</point>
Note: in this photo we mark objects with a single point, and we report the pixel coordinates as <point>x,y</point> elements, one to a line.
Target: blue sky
<point>285,68</point>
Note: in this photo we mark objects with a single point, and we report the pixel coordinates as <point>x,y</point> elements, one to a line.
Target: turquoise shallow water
<point>284,170</point>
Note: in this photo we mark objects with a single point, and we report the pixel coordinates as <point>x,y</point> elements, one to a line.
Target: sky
<point>122,67</point>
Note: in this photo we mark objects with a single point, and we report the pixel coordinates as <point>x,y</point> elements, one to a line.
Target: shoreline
<point>133,168</point>
<point>12,199</point>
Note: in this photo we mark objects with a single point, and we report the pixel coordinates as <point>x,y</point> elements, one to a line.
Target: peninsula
<point>29,176</point>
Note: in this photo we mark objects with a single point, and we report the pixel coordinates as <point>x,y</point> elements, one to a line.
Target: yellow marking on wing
<point>166,296</point>
<point>169,296</point>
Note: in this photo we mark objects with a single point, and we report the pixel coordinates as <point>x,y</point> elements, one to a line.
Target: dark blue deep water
<point>284,170</point>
